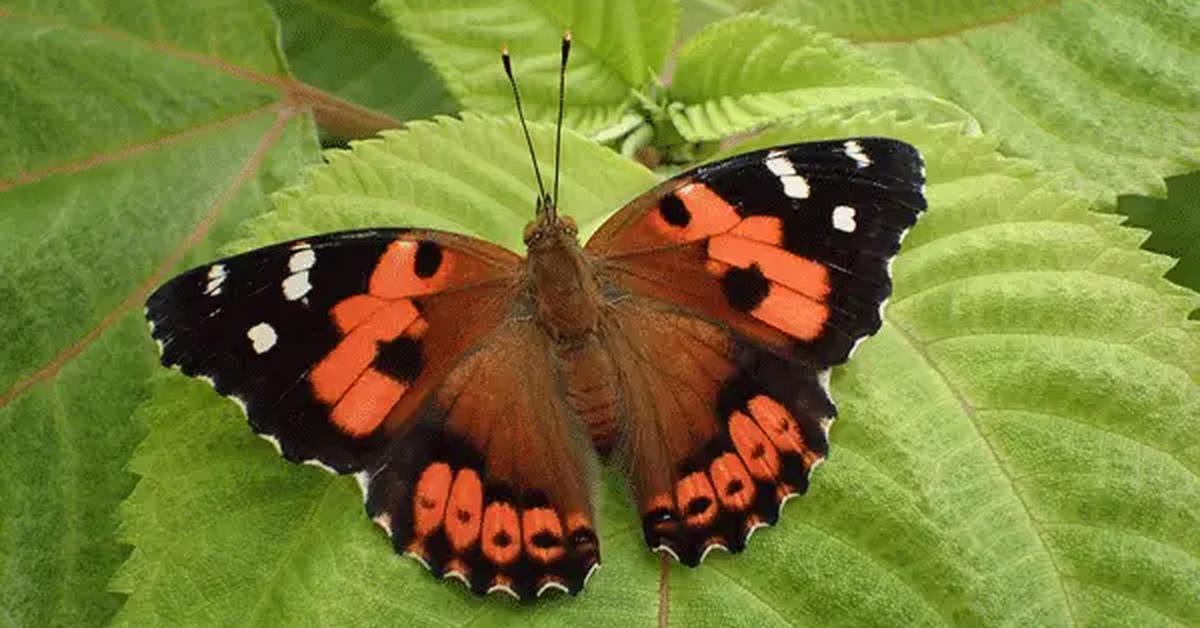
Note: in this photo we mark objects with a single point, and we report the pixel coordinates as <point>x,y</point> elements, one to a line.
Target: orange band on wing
<point>792,313</point>
<point>732,482</point>
<point>705,213</point>
<point>759,455</point>
<point>429,500</point>
<point>501,533</point>
<point>766,229</point>
<point>352,311</point>
<point>367,403</point>
<point>334,374</point>
<point>396,275</point>
<point>800,274</point>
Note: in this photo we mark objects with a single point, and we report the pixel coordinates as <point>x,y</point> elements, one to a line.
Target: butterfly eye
<point>569,225</point>
<point>531,233</point>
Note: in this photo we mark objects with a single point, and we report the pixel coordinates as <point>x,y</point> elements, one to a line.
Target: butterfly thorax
<point>568,305</point>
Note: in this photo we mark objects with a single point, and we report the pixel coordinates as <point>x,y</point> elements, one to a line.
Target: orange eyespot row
<point>501,533</point>
<point>352,311</point>
<point>800,274</point>
<point>792,313</point>
<point>429,500</point>
<point>732,482</point>
<point>765,229</point>
<point>543,534</point>
<point>777,423</point>
<point>333,375</point>
<point>759,455</point>
<point>365,406</point>
<point>396,274</point>
<point>696,499</point>
<point>464,510</point>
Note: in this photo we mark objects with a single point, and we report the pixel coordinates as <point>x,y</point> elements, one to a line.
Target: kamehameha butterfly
<point>466,386</point>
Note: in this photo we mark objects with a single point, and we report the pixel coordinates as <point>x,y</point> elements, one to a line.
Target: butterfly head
<point>550,230</point>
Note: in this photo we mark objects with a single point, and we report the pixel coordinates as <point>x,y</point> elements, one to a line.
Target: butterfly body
<point>467,387</point>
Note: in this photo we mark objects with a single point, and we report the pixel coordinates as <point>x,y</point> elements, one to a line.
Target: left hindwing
<point>329,343</point>
<point>790,246</point>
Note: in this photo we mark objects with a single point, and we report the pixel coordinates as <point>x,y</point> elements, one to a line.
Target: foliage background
<point>1020,444</point>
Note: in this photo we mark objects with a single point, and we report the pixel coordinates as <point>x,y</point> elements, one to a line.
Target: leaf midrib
<point>969,411</point>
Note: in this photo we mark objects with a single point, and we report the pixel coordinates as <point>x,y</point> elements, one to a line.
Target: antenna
<point>521,114</point>
<point>562,86</point>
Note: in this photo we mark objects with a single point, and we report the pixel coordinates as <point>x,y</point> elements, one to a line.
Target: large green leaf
<point>617,48</point>
<point>1175,225</point>
<point>1089,87</point>
<point>1019,445</point>
<point>747,72</point>
<point>137,136</point>
<point>347,48</point>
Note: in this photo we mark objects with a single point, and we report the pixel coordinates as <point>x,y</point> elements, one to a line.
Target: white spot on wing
<point>216,276</point>
<point>591,571</point>
<point>302,259</point>
<point>267,437</point>
<point>418,557</point>
<point>262,337</point>
<point>550,585</point>
<point>242,405</point>
<point>296,286</point>
<point>754,528</point>
<point>364,483</point>
<point>823,380</point>
<point>779,164</point>
<point>843,218</point>
<point>854,151</point>
<point>710,548</point>
<point>313,462</point>
<point>664,548</point>
<point>795,186</point>
<point>384,520</point>
<point>503,589</point>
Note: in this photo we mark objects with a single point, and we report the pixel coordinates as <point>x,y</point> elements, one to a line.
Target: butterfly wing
<point>331,343</point>
<point>493,484</point>
<point>407,357</point>
<point>790,246</point>
<point>724,431</point>
<point>756,274</point>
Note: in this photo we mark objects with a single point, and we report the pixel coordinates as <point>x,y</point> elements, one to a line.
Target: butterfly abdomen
<point>590,387</point>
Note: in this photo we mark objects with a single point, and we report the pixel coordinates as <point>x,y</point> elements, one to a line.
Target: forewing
<point>331,343</point>
<point>789,246</point>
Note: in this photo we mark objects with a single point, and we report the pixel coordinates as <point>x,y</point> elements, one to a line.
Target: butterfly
<point>469,389</point>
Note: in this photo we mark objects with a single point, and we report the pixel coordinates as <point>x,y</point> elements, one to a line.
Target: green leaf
<point>747,72</point>
<point>226,532</point>
<point>1019,445</point>
<point>1092,88</point>
<point>617,48</point>
<point>1174,223</point>
<point>347,48</point>
<point>138,136</point>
